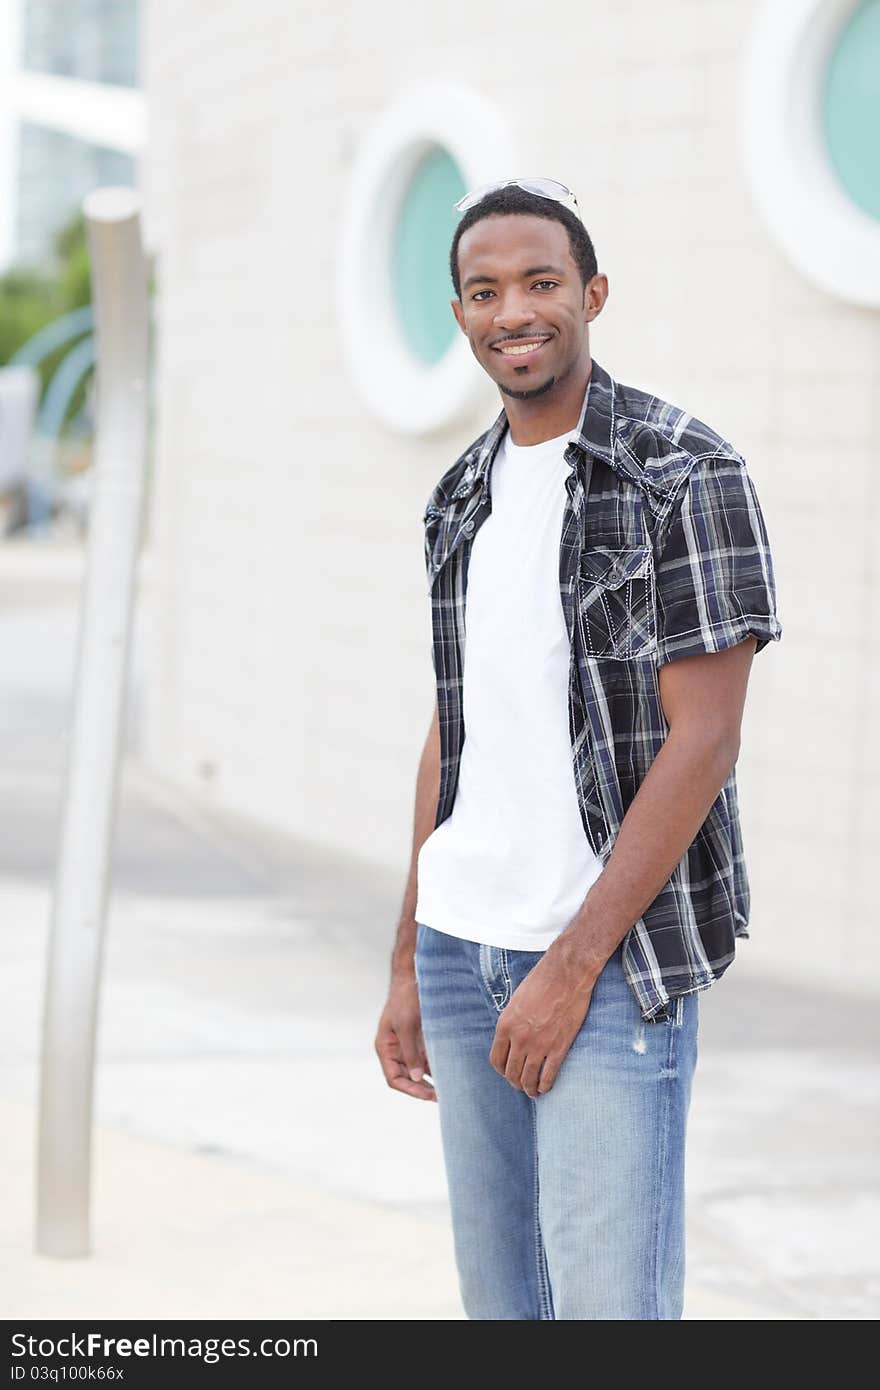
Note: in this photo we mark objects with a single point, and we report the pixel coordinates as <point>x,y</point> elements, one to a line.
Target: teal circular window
<point>851,107</point>
<point>422,285</point>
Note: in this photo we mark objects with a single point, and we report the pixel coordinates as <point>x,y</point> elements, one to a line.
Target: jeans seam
<point>493,1001</point>
<point>506,972</point>
<point>545,1302</point>
<point>663,1155</point>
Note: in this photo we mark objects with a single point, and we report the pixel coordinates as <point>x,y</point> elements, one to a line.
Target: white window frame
<point>832,242</point>
<point>406,394</point>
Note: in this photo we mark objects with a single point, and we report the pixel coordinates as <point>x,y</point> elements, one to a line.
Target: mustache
<point>520,338</point>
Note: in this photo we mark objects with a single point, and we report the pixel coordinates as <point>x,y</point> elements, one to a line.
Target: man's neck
<point>534,421</point>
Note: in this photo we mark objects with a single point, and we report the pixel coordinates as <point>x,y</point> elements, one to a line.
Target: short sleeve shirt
<point>663,553</point>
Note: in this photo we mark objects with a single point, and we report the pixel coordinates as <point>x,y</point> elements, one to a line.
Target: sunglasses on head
<point>544,188</point>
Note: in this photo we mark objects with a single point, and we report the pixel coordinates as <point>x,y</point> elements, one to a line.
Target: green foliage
<point>72,253</point>
<point>31,297</point>
<point>28,300</point>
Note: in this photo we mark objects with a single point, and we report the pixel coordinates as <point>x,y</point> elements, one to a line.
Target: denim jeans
<point>570,1205</point>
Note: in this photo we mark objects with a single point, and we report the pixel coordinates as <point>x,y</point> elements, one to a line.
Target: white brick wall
<point>277,499</point>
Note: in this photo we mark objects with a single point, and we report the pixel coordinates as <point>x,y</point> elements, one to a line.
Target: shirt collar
<point>593,434</point>
<point>596,428</point>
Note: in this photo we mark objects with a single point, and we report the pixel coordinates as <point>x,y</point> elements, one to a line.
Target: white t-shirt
<point>511,864</point>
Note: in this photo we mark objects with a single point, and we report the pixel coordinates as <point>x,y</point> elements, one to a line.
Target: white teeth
<point>522,348</point>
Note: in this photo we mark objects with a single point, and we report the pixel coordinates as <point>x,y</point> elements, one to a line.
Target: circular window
<point>420,255</point>
<point>851,108</point>
<point>408,361</point>
<point>809,110</point>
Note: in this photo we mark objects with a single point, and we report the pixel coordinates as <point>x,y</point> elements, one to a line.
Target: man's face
<point>523,304</point>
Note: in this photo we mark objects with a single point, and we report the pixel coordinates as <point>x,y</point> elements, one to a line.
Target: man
<point>577,872</point>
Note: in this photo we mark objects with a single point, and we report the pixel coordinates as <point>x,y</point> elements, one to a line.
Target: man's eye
<point>552,283</point>
<point>479,292</point>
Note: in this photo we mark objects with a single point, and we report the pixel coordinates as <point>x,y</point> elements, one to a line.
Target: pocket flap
<point>612,567</point>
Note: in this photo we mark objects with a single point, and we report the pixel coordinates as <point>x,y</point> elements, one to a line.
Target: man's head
<point>524,270</point>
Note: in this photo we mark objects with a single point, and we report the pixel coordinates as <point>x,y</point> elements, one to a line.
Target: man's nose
<point>513,311</point>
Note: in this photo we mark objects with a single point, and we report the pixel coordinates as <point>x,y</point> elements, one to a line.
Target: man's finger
<point>423,1051</point>
<point>397,1072</point>
<point>529,1077</point>
<point>548,1073</point>
<point>516,1060</point>
<point>420,1090</point>
<point>388,1049</point>
<point>498,1053</point>
<point>414,1057</point>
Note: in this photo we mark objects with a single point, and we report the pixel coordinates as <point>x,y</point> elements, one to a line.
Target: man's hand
<point>539,1025</point>
<point>399,1043</point>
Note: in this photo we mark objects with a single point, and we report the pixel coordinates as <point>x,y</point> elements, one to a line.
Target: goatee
<point>528,395</point>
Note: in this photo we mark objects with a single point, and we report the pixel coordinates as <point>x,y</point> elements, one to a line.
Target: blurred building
<point>299,177</point>
<point>71,117</point>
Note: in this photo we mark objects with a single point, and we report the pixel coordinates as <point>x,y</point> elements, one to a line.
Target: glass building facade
<point>94,41</point>
<point>55,171</point>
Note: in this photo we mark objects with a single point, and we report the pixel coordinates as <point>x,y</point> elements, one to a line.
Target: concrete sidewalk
<point>251,1162</point>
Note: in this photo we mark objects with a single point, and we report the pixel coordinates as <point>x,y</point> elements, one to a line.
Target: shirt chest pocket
<point>616,609</point>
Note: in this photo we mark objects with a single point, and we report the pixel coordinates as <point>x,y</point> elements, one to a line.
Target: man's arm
<point>427,795</point>
<point>399,1042</point>
<point>703,697</point>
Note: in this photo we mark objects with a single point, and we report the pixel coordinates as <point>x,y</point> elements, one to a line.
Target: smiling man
<point>577,872</point>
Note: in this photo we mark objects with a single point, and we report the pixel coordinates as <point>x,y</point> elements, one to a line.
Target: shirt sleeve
<point>715,581</point>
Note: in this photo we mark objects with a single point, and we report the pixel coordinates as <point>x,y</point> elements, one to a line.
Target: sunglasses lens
<point>471,199</point>
<point>545,188</point>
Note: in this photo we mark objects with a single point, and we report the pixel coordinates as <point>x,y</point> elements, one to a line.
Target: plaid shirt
<point>663,554</point>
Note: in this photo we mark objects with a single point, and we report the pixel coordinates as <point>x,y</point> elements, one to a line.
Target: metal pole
<point>119,292</point>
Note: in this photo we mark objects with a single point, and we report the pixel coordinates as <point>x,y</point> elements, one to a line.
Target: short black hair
<point>516,200</point>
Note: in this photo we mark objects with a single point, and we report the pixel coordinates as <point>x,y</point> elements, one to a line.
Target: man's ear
<point>459,313</point>
<point>594,301</point>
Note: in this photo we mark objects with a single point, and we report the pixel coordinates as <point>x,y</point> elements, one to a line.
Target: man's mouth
<point>520,347</point>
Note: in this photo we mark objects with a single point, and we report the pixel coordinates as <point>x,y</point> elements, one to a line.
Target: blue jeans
<point>570,1205</point>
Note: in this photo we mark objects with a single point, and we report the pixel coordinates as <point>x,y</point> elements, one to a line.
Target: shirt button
<point>468,528</point>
